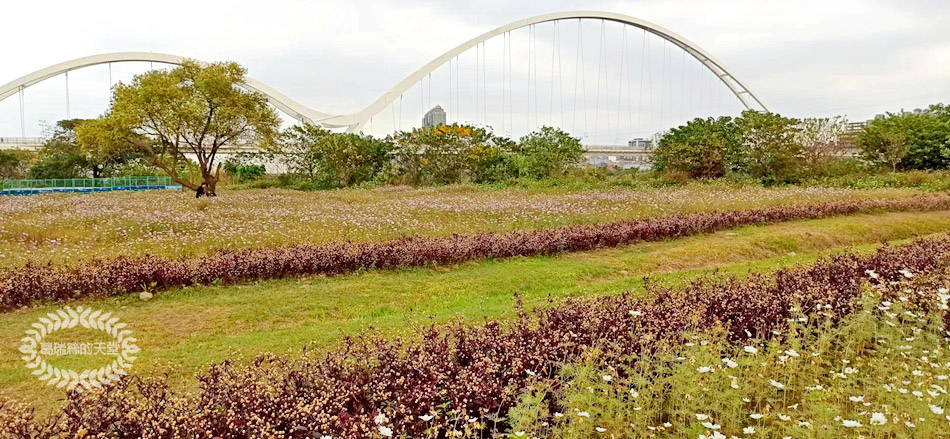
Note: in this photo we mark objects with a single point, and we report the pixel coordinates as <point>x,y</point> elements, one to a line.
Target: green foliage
<point>13,164</point>
<point>884,141</point>
<point>547,152</point>
<point>764,145</point>
<point>823,142</point>
<point>881,372</point>
<point>703,148</point>
<point>446,154</point>
<point>331,160</point>
<point>243,171</point>
<point>193,108</point>
<point>61,156</point>
<point>909,140</point>
<point>770,149</point>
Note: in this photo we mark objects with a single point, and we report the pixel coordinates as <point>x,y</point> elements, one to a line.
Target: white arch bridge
<point>356,121</point>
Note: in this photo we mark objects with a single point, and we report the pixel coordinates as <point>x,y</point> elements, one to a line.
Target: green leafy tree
<point>822,140</point>
<point>13,163</point>
<point>444,154</point>
<point>299,149</point>
<point>884,141</point>
<point>61,156</point>
<point>927,138</point>
<point>549,151</point>
<point>336,159</point>
<point>770,148</point>
<point>703,148</point>
<point>191,109</point>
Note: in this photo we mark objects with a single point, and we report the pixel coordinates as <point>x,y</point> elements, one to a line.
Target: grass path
<point>182,331</point>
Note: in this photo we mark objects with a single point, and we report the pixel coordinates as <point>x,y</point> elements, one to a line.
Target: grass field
<point>73,228</point>
<point>183,331</point>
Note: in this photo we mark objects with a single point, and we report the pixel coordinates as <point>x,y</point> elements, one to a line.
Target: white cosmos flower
<point>704,369</point>
<point>380,419</point>
<point>558,415</point>
<point>936,410</point>
<point>756,416</point>
<point>385,431</point>
<point>607,378</point>
<point>519,433</point>
<point>729,363</point>
<point>851,424</point>
<point>776,384</point>
<point>748,430</point>
<point>583,414</point>
<point>878,419</point>
<point>529,372</point>
<point>750,349</point>
<point>784,417</point>
<point>910,424</point>
<point>872,274</point>
<point>856,398</point>
<point>426,418</point>
<point>701,416</point>
<point>792,353</point>
<point>711,426</point>
<point>907,274</point>
<point>917,393</point>
<point>600,429</point>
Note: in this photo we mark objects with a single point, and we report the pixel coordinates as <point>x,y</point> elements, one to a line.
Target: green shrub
<point>546,152</point>
<point>331,160</point>
<point>703,148</point>
<point>770,149</point>
<point>244,172</point>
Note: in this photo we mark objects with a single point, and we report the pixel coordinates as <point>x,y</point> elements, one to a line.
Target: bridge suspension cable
<point>485,112</point>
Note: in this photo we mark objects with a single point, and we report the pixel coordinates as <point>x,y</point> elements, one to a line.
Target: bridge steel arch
<point>354,121</point>
<point>748,99</point>
<point>293,108</point>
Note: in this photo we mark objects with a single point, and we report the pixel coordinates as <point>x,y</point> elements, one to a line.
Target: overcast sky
<point>802,58</point>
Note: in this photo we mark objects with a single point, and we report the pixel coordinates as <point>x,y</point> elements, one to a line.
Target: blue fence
<point>86,185</point>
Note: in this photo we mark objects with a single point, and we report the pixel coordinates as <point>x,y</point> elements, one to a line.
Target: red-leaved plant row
<point>469,376</point>
<point>23,285</point>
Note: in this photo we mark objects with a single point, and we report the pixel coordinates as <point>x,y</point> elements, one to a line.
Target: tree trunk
<point>212,180</point>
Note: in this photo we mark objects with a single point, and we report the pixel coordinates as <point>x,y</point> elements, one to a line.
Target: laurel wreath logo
<point>68,317</point>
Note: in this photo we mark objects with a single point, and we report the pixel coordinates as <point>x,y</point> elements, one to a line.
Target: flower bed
<point>23,285</point>
<point>466,379</point>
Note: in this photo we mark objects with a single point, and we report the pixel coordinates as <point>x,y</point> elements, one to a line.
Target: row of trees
<point>436,155</point>
<point>779,149</point>
<point>176,121</point>
<point>168,120</point>
<point>764,145</point>
<point>919,140</point>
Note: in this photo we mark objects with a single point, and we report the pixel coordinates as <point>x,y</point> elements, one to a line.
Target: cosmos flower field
<point>70,229</point>
<point>844,343</point>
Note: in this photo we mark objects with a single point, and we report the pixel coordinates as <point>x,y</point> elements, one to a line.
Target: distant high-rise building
<point>434,117</point>
<point>640,143</point>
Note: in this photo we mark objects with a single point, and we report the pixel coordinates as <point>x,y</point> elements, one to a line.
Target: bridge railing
<point>90,183</point>
<point>22,140</point>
